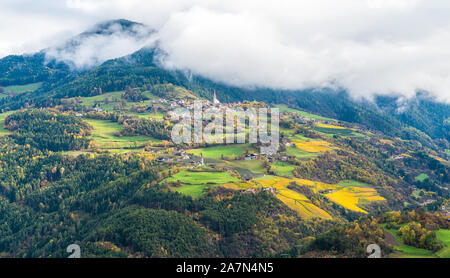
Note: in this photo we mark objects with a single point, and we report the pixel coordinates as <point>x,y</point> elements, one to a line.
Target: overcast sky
<point>364,46</point>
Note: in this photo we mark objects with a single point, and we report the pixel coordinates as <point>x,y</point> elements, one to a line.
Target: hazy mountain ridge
<point>386,114</point>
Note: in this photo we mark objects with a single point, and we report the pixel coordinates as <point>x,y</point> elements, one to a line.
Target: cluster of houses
<point>446,211</point>
<point>271,158</point>
<point>181,157</point>
<point>253,190</point>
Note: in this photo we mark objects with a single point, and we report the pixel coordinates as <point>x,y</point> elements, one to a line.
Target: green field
<point>255,166</point>
<point>194,183</point>
<point>193,190</point>
<point>112,98</point>
<point>22,88</point>
<point>444,236</point>
<point>283,108</point>
<point>103,134</point>
<point>300,154</point>
<point>3,116</point>
<point>209,177</point>
<point>225,150</point>
<point>154,116</point>
<point>416,193</point>
<point>405,251</point>
<point>330,132</point>
<point>421,177</point>
<point>91,101</point>
<point>353,183</point>
<point>283,169</point>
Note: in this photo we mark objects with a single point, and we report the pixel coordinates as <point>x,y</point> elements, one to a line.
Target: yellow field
<point>386,141</point>
<point>349,197</point>
<point>316,186</point>
<point>294,200</point>
<point>439,158</point>
<point>330,126</point>
<point>312,146</point>
<point>304,208</point>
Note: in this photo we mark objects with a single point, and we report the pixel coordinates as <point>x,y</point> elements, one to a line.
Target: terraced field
<point>332,130</point>
<point>283,108</point>
<point>350,197</point>
<point>313,146</point>
<point>300,154</point>
<point>346,194</point>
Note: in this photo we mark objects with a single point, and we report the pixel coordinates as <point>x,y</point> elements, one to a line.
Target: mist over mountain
<point>365,47</point>
<point>112,54</point>
<point>106,40</point>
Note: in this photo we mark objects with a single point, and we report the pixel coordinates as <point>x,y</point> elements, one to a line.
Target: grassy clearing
<point>91,101</point>
<point>154,116</point>
<point>103,134</point>
<point>188,177</point>
<point>444,236</point>
<point>283,108</point>
<point>352,183</point>
<point>216,152</point>
<point>17,89</point>
<point>300,154</point>
<point>416,193</point>
<point>3,130</point>
<point>334,131</point>
<point>255,166</point>
<point>107,101</point>
<point>193,190</point>
<point>405,251</point>
<point>194,183</point>
<point>421,177</point>
<point>283,169</point>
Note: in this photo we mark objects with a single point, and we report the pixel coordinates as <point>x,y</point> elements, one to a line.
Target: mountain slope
<point>385,114</point>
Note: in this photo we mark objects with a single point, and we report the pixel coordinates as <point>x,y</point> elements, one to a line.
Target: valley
<point>87,157</point>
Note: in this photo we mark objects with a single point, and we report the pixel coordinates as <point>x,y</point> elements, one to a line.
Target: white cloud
<point>365,46</point>
<point>87,51</point>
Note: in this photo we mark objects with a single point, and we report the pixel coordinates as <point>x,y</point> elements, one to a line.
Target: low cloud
<point>93,48</point>
<point>364,46</point>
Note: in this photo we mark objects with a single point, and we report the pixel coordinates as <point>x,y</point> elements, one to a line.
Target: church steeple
<point>215,100</point>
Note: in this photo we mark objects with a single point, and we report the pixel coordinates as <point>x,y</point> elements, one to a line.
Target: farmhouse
<point>251,156</point>
<point>271,190</point>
